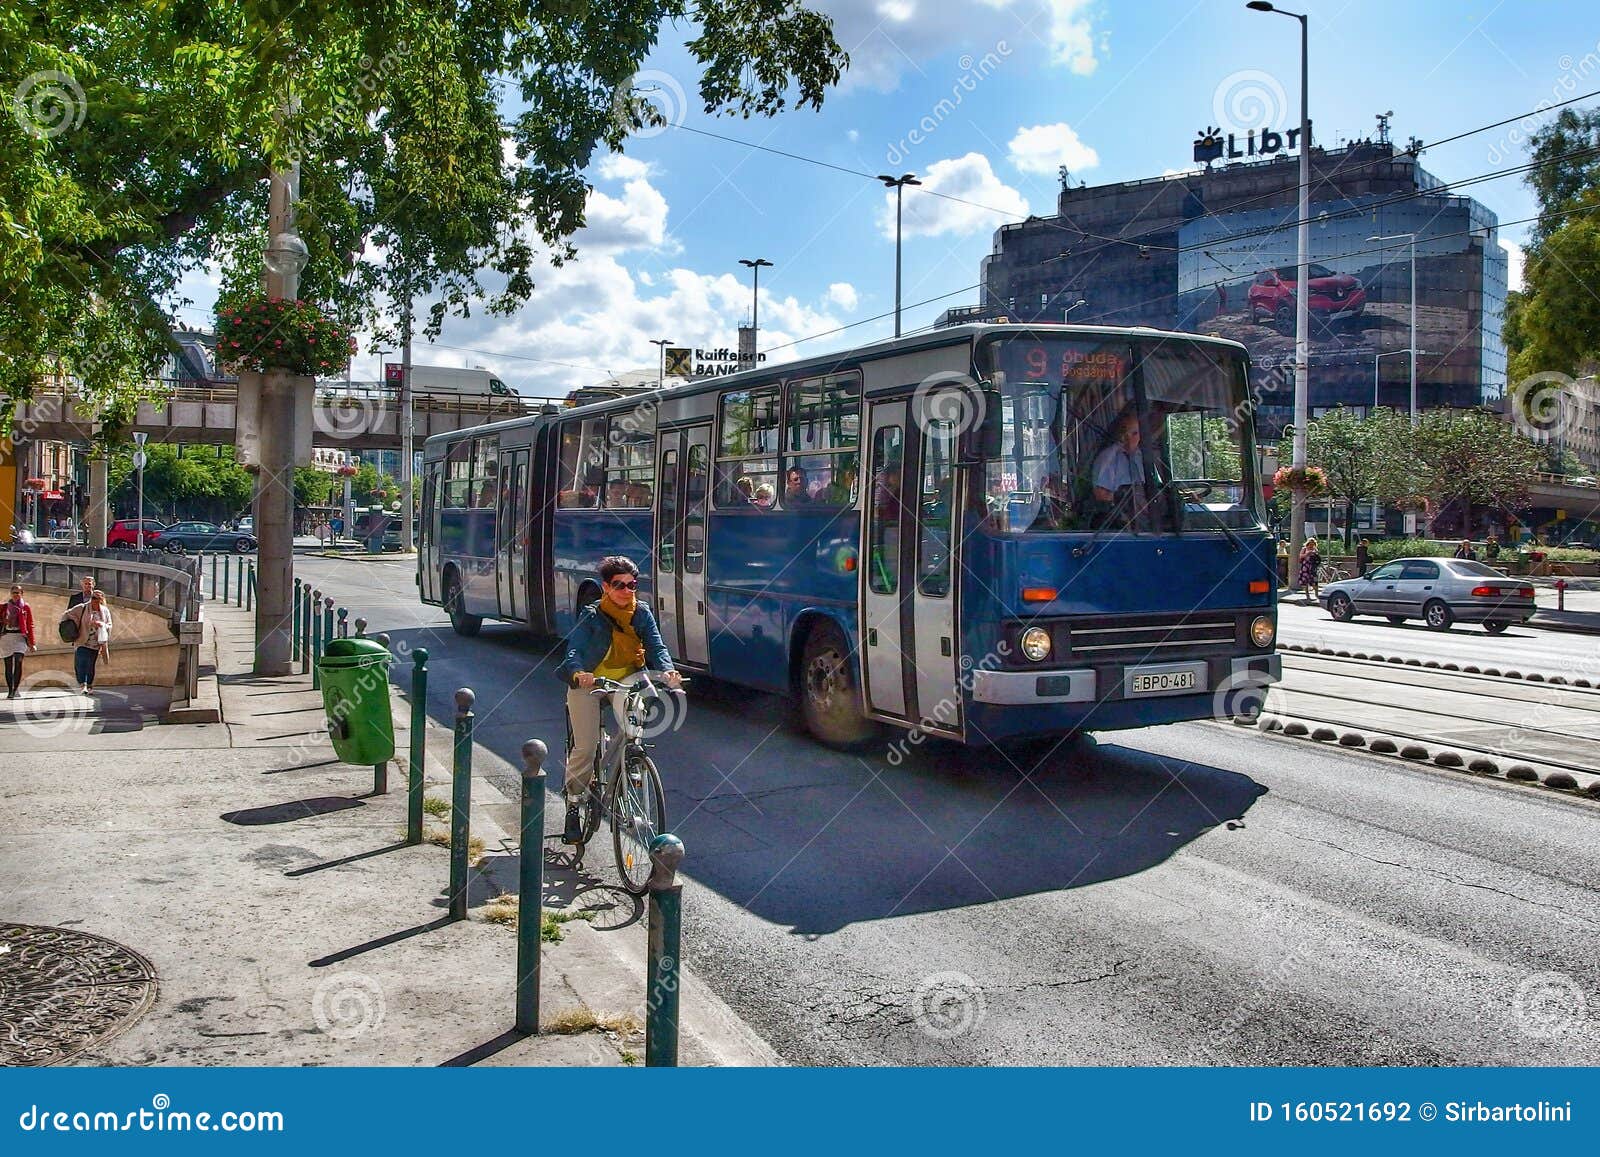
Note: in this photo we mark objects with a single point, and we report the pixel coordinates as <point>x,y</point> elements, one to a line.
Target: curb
<point>1579,683</point>
<point>1479,766</point>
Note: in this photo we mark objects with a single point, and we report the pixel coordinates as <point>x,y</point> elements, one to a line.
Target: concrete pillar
<point>99,500</point>
<point>274,511</point>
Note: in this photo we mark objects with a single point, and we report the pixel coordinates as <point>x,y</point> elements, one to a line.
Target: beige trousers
<point>583,716</point>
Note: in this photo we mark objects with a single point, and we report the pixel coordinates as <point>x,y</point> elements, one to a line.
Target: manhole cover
<point>62,991</point>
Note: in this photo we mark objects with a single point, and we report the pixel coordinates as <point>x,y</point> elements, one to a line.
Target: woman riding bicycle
<point>613,638</point>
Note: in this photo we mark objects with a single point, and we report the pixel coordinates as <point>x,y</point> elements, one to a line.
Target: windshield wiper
<point>1176,488</point>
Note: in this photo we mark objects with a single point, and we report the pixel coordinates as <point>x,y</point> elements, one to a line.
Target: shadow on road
<point>815,839</point>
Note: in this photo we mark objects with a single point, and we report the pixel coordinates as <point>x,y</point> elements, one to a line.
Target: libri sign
<point>1213,144</point>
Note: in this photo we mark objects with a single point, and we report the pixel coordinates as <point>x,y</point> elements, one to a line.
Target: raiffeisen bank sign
<point>1213,145</point>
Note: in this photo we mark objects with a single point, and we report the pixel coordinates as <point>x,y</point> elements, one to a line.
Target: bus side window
<point>747,453</point>
<point>936,518</point>
<point>883,539</point>
<point>694,512</point>
<point>667,522</point>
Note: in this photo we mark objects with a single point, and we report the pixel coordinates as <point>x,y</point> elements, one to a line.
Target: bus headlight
<point>1036,644</point>
<point>1263,630</point>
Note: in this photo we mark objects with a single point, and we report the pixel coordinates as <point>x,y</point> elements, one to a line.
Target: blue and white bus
<point>983,532</point>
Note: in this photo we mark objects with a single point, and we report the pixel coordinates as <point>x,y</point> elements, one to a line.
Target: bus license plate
<point>1160,682</point>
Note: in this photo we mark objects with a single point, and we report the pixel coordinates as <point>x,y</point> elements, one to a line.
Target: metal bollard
<point>305,631</point>
<point>530,886</point>
<point>250,589</point>
<point>294,621</point>
<point>315,612</point>
<point>213,576</point>
<point>661,955</point>
<point>461,803</point>
<point>361,628</point>
<point>343,631</point>
<point>419,740</point>
<point>227,561</point>
<point>327,625</point>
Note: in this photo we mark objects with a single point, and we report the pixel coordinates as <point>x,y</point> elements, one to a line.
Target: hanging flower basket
<point>38,485</point>
<point>276,333</point>
<point>348,471</point>
<point>1311,479</point>
<point>380,495</point>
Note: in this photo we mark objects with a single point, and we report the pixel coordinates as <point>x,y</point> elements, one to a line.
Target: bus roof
<point>822,363</point>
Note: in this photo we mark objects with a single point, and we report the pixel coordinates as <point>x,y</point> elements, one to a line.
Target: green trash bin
<point>355,696</point>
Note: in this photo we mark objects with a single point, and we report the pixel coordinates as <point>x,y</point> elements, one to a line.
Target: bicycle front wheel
<point>638,816</point>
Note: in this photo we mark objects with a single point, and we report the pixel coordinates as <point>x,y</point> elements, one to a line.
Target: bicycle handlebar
<point>603,686</point>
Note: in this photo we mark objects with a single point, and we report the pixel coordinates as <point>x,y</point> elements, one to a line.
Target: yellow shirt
<point>627,650</point>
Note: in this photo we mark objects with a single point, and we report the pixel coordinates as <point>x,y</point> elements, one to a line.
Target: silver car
<point>1439,591</point>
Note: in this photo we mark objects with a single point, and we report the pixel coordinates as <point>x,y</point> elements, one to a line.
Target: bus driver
<point>1118,476</point>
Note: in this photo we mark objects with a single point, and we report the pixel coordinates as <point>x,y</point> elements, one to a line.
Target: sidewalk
<point>284,918</point>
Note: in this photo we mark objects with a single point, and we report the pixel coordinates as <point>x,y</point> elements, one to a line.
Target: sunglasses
<point>624,585</point>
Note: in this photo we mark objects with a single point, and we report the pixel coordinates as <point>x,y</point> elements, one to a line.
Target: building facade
<point>1214,251</point>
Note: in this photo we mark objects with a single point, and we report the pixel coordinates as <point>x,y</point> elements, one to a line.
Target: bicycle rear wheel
<point>638,816</point>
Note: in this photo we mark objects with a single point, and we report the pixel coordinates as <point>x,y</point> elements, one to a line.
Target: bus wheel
<point>463,623</point>
<point>830,699</point>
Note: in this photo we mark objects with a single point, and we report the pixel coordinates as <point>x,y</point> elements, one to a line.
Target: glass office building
<point>1215,251</point>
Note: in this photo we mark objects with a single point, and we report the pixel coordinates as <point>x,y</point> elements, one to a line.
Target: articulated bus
<point>984,532</point>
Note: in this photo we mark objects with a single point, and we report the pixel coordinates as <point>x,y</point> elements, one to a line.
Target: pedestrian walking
<point>1310,562</point>
<point>1465,550</point>
<point>1363,556</point>
<point>83,593</point>
<point>16,638</point>
<point>1491,547</point>
<point>94,640</point>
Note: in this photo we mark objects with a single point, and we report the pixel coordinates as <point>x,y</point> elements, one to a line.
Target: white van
<point>445,380</point>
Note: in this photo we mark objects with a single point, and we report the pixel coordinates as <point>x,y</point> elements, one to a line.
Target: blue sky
<point>1115,90</point>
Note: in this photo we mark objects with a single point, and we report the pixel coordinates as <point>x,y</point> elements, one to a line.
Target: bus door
<point>683,473</point>
<point>428,556</point>
<point>511,522</point>
<point>883,605</point>
<point>935,511</point>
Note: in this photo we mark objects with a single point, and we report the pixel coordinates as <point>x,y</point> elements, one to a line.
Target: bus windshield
<point>1141,436</point>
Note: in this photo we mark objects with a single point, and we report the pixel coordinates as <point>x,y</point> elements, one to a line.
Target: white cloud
<point>617,167</point>
<point>843,294</point>
<point>853,135</point>
<point>888,38</point>
<point>1042,148</point>
<point>1515,260</point>
<point>636,220</point>
<point>970,178</point>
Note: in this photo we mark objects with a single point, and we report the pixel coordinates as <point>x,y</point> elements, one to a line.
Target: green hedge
<point>1382,550</point>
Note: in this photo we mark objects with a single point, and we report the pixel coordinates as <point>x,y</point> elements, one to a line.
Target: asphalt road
<point>1521,648</point>
<point>1191,894</point>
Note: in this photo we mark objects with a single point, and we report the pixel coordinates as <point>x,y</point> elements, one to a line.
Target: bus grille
<point>1143,638</point>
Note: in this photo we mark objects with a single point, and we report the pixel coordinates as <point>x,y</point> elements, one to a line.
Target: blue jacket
<point>591,639</point>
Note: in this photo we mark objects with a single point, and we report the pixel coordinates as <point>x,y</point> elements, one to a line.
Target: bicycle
<point>626,787</point>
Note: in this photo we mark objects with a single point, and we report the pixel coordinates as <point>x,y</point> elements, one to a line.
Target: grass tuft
<point>438,808</point>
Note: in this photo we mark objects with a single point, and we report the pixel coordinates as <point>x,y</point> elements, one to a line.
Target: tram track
<point>1552,725</point>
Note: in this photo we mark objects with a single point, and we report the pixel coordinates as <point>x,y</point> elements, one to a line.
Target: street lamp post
<point>1302,296</point>
<point>755,268</point>
<point>898,184</point>
<point>661,344</point>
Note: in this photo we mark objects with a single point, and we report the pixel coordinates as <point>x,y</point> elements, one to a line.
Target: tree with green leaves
<point>1554,324</point>
<point>143,135</point>
<point>1471,457</point>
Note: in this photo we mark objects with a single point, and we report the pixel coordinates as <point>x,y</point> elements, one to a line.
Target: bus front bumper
<point>1087,685</point>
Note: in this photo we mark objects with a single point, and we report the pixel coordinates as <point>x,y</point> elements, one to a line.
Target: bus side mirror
<point>981,442</point>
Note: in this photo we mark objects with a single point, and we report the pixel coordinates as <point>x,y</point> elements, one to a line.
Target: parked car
<point>1439,591</point>
<point>391,536</point>
<point>183,536</point>
<point>1334,296</point>
<point>246,524</point>
<point>122,532</point>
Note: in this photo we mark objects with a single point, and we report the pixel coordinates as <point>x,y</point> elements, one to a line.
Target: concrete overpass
<point>1551,495</point>
<point>361,416</point>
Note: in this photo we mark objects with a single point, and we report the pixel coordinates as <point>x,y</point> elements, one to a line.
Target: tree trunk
<point>1349,521</point>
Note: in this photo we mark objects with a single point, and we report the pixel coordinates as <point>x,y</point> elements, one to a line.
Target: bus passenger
<point>613,638</point>
<point>764,497</point>
<point>795,492</point>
